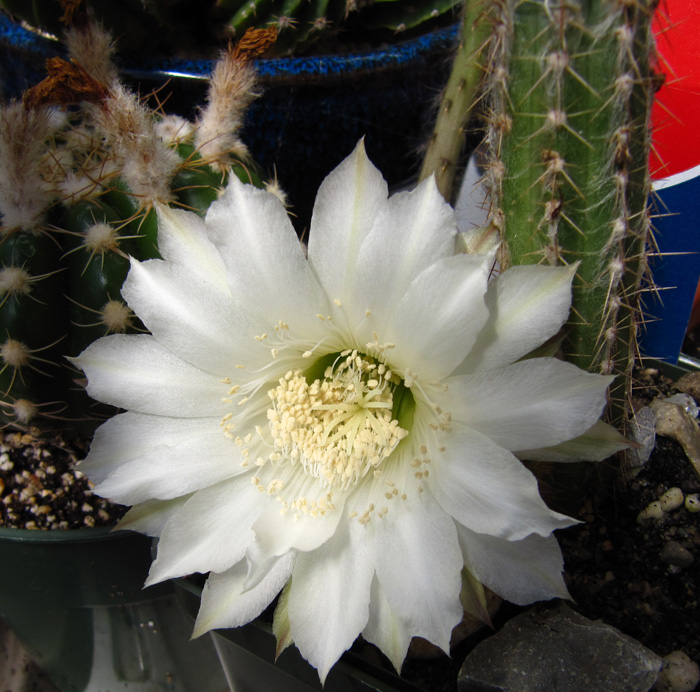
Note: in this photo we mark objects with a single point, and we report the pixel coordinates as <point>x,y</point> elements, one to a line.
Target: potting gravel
<point>41,488</point>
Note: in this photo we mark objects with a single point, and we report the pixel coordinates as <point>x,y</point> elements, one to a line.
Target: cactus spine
<point>77,197</point>
<point>459,97</point>
<point>567,94</point>
<point>569,89</point>
<point>195,26</point>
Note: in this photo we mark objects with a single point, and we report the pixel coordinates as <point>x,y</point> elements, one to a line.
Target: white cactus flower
<point>348,421</point>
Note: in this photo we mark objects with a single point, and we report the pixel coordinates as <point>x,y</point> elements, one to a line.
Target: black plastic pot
<point>76,601</point>
<point>248,656</point>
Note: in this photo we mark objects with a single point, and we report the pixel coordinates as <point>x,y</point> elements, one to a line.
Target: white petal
<point>534,403</point>
<point>412,231</point>
<point>135,372</point>
<point>384,629</point>
<point>279,530</point>
<point>329,596</point>
<point>152,516</point>
<point>225,604</point>
<point>211,532</point>
<point>192,318</point>
<point>168,472</point>
<point>484,487</point>
<point>527,305</point>
<point>130,435</point>
<point>346,207</point>
<point>266,267</point>
<point>599,442</point>
<point>439,317</point>
<point>134,457</point>
<point>521,571</point>
<point>182,239</point>
<point>418,563</point>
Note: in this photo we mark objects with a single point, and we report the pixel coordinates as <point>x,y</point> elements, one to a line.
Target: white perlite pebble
<point>671,499</point>
<point>692,502</point>
<point>652,512</point>
<point>679,674</point>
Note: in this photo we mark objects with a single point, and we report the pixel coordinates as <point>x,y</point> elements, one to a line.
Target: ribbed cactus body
<point>33,314</point>
<point>79,190</point>
<point>301,23</point>
<point>190,26</point>
<point>60,289</point>
<point>568,103</point>
<point>97,264</point>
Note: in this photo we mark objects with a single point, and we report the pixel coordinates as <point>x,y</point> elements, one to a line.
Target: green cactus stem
<point>570,91</point>
<point>459,98</point>
<point>567,97</point>
<point>33,316</point>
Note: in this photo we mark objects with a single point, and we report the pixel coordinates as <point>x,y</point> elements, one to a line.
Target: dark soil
<point>617,569</point>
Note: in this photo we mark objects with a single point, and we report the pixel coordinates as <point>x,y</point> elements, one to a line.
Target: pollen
<point>340,427</point>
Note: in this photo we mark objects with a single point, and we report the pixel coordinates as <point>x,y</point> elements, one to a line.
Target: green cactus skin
<point>188,26</point>
<point>97,267</point>
<point>459,98</point>
<point>33,315</point>
<point>60,290</point>
<point>303,23</point>
<point>569,93</point>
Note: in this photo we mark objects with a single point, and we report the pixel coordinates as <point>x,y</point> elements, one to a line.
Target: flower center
<point>340,426</point>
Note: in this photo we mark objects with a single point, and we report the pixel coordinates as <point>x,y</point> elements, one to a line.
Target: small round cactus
<point>78,187</point>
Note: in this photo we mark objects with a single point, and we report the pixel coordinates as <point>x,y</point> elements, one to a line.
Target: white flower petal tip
<point>527,306</point>
<point>226,603</point>
<point>345,425</point>
<point>477,241</point>
<point>599,442</point>
<point>281,626</point>
<point>475,600</point>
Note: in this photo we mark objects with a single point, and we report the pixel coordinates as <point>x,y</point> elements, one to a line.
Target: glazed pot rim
<point>42,44</point>
<point>61,535</point>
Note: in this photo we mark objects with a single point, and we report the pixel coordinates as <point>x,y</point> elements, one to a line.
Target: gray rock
<point>674,553</point>
<point>553,649</point>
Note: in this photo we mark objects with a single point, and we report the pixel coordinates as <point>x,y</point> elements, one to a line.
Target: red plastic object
<point>675,169</point>
<point>676,112</point>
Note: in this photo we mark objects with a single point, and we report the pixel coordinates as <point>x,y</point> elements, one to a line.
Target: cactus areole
<point>569,89</point>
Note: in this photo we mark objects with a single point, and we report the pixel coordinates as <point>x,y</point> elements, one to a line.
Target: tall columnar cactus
<point>78,191</point>
<point>567,92</point>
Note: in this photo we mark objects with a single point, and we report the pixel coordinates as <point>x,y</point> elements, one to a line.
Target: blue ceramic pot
<point>312,112</point>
